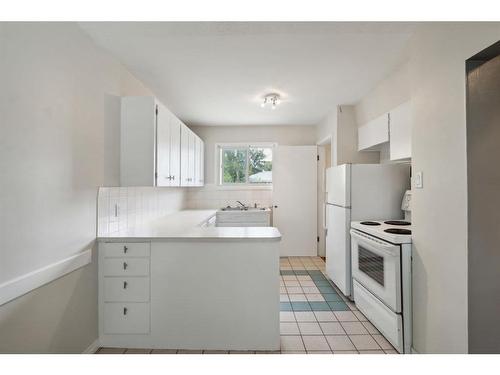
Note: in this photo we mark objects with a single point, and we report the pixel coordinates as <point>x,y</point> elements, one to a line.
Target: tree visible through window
<point>246,164</point>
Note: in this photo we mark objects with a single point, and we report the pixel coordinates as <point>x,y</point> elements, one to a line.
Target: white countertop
<point>185,225</point>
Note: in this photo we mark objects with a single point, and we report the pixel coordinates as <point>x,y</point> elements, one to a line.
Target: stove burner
<point>370,223</point>
<point>397,222</point>
<point>397,231</point>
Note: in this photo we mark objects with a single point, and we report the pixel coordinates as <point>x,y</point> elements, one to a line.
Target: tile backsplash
<point>214,196</point>
<point>119,208</point>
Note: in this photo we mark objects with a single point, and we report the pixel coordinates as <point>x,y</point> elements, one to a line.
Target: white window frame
<point>236,185</point>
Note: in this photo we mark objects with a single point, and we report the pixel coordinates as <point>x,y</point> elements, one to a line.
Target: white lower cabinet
<point>124,288</point>
<point>123,318</point>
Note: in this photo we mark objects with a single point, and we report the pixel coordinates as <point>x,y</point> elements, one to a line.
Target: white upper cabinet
<point>400,132</point>
<point>373,134</point>
<point>153,143</point>
<point>192,161</point>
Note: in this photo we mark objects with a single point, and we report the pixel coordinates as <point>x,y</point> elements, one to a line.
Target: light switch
<point>419,180</point>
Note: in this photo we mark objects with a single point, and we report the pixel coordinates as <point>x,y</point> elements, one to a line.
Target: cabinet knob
<point>275,206</point>
<point>125,265</point>
<point>125,311</point>
<point>125,285</point>
<point>125,248</point>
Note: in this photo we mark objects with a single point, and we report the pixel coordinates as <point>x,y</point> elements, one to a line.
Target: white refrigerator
<point>358,192</point>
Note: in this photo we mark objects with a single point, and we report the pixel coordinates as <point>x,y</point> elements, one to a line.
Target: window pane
<point>234,166</point>
<point>261,165</point>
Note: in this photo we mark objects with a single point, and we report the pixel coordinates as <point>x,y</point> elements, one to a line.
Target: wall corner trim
<point>21,285</point>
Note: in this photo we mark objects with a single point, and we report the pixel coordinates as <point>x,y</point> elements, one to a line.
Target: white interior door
<point>295,199</point>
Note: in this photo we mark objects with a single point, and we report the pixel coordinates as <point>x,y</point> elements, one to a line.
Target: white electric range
<point>381,271</point>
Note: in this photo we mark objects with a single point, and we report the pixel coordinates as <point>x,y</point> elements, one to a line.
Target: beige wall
<point>282,135</point>
<point>437,76</point>
<point>60,137</point>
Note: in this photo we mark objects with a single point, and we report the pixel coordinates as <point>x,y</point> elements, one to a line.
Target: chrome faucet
<point>242,205</point>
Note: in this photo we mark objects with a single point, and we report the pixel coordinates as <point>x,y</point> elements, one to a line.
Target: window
<point>246,164</point>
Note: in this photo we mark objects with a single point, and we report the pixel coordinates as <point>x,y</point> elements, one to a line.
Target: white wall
<point>437,73</point>
<point>58,102</point>
<point>340,126</point>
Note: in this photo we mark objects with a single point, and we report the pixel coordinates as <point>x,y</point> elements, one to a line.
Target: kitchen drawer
<point>126,289</point>
<point>128,249</point>
<point>386,321</point>
<point>126,318</point>
<point>125,267</point>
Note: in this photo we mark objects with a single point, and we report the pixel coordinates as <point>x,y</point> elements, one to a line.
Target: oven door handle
<point>376,245</point>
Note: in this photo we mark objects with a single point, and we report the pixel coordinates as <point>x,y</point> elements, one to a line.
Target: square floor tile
<point>287,316</point>
<point>304,278</point>
<point>332,328</point>
<point>360,316</point>
<point>325,289</point>
<point>306,283</point>
<point>138,351</point>
<point>338,306</point>
<point>215,352</point>
<point>310,290</point>
<point>345,352</point>
<point>315,297</point>
<point>298,298</point>
<point>325,316</point>
<point>382,342</point>
<point>364,342</point>
<point>369,327</point>
<point>310,328</point>
<point>291,283</point>
<point>289,328</point>
<point>305,316</point>
<point>340,342</point>
<point>301,273</point>
<point>189,351</point>
<point>345,316</point>
<point>319,306</point>
<point>284,298</point>
<point>354,328</point>
<point>313,343</point>
<point>111,351</point>
<point>164,351</point>
<point>242,352</point>
<point>332,297</point>
<point>289,277</point>
<point>285,306</point>
<point>351,305</point>
<point>283,290</point>
<point>391,351</point>
<point>301,306</point>
<point>322,282</point>
<point>294,290</point>
<point>292,343</point>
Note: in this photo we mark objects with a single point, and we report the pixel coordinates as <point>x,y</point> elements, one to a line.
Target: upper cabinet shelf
<point>156,148</point>
<point>393,128</point>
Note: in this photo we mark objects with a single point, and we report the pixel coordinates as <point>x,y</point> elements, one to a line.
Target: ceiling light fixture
<point>272,99</point>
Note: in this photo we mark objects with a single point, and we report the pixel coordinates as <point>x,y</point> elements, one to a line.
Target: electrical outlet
<point>419,180</point>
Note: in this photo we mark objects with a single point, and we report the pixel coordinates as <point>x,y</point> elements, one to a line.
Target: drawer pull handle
<point>125,311</point>
<point>125,265</point>
<point>125,285</point>
<point>125,248</point>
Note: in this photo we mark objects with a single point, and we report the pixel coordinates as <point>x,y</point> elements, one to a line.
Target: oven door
<point>376,266</point>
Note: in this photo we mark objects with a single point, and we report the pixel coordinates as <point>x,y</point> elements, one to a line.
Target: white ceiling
<point>216,73</point>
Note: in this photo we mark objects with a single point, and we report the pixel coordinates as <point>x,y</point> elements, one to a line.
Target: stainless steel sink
<point>229,208</point>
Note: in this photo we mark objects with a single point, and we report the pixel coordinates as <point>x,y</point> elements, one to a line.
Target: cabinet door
<point>163,118</point>
<point>184,155</point>
<point>175,151</point>
<point>201,161</point>
<point>191,159</point>
<point>373,134</point>
<point>400,132</point>
<point>197,159</point>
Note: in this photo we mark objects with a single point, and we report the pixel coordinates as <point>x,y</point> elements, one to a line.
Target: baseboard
<point>92,348</point>
<point>413,351</point>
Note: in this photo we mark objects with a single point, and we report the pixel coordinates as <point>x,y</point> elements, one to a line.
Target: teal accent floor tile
<point>287,272</point>
<point>285,306</point>
<point>326,289</point>
<point>338,306</point>
<point>301,272</point>
<point>323,282</point>
<point>301,306</point>
<point>315,272</point>
<point>319,306</point>
<point>332,297</point>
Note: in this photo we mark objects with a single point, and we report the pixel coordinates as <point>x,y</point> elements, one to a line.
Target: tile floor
<point>315,318</point>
